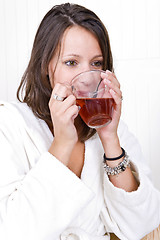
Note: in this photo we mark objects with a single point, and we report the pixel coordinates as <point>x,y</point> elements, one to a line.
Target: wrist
<point>120,167</point>
<point>114,160</point>
<point>112,146</point>
<point>112,149</point>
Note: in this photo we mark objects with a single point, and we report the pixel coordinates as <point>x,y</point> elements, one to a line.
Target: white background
<point>134,29</point>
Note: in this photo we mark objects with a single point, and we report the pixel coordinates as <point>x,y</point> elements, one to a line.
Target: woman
<point>53,184</point>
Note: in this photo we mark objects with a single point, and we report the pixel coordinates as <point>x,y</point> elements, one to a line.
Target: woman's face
<point>80,51</point>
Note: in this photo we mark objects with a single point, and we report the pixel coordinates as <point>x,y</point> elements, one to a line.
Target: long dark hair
<point>35,88</point>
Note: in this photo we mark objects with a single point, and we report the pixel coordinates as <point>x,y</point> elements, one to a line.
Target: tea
<point>96,112</point>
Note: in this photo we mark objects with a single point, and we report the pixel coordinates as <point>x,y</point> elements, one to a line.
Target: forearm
<point>61,151</point>
<point>125,179</point>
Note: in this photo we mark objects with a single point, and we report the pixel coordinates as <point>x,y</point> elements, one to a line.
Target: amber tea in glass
<point>94,99</point>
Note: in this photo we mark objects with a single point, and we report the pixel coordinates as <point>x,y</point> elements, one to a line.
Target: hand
<point>110,131</point>
<point>63,114</point>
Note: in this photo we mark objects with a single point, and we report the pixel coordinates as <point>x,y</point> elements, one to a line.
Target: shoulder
<point>127,139</point>
<point>13,111</point>
<point>16,116</point>
<point>133,148</point>
<point>8,114</point>
<point>18,120</point>
<point>125,135</point>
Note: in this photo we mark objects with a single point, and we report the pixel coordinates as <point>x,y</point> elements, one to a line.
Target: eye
<point>71,63</point>
<point>97,63</point>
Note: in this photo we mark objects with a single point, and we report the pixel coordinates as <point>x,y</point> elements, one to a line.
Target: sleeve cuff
<point>130,198</point>
<point>54,174</point>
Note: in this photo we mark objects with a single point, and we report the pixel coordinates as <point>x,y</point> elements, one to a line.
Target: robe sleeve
<point>39,202</point>
<point>131,215</point>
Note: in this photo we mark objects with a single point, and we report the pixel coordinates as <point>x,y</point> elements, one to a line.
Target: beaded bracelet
<point>121,167</point>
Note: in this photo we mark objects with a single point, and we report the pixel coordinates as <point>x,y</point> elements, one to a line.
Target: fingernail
<point>79,108</point>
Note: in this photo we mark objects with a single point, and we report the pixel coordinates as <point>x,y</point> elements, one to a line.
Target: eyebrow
<point>76,55</point>
<point>71,55</point>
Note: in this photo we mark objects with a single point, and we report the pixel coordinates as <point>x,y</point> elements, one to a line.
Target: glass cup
<point>93,96</point>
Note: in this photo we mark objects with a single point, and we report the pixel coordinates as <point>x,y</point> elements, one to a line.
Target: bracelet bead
<point>121,167</point>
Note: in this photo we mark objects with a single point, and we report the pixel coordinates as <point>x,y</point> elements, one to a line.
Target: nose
<point>84,68</point>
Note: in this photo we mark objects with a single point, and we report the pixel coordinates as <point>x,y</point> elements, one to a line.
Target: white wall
<point>134,29</point>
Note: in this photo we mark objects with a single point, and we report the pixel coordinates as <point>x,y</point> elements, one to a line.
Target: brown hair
<point>35,86</point>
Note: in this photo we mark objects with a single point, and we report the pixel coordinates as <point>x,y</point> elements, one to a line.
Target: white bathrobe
<point>41,199</point>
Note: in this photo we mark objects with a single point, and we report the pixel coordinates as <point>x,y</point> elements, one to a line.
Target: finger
<point>111,76</point>
<point>113,86</point>
<point>68,102</point>
<point>112,73</point>
<point>72,112</point>
<point>106,85</point>
<point>59,107</point>
<point>60,91</point>
<point>117,98</point>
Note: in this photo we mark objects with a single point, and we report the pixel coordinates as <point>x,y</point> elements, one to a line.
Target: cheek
<point>51,69</point>
<point>63,76</point>
<point>58,73</point>
<point>58,76</point>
